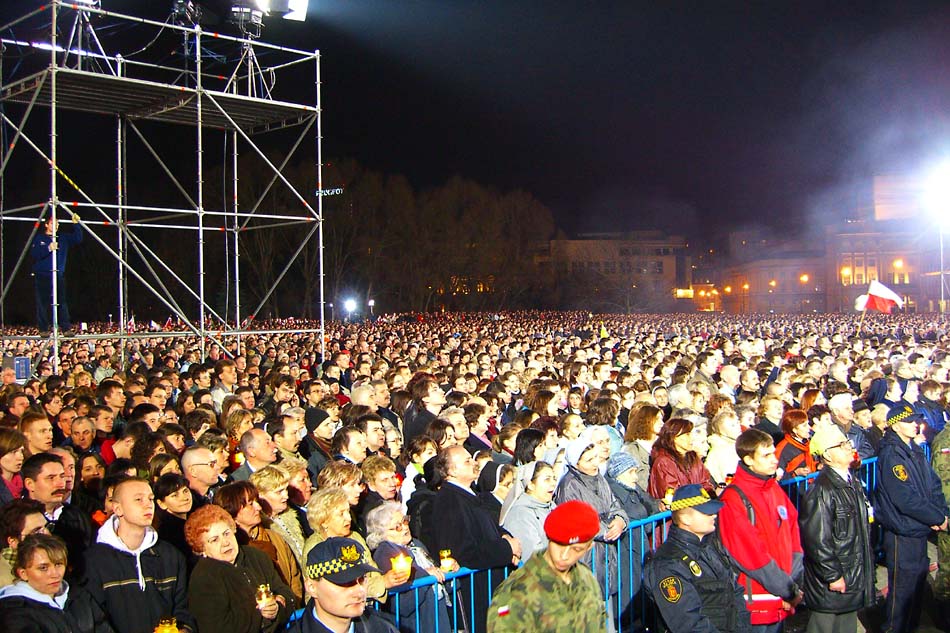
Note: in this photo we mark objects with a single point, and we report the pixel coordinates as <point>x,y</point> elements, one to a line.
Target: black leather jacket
<point>835,535</point>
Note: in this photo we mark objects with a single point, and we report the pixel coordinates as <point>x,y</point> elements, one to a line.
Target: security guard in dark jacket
<point>834,522</point>
<point>909,504</point>
<point>690,577</point>
<point>334,579</point>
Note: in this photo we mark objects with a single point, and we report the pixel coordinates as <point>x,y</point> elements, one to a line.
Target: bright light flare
<point>349,305</point>
<point>297,10</point>
<point>936,195</point>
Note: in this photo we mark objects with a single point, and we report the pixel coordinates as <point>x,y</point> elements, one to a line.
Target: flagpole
<point>864,313</point>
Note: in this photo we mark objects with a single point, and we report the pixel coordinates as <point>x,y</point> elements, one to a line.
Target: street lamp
<point>331,312</point>
<point>371,303</point>
<point>349,305</point>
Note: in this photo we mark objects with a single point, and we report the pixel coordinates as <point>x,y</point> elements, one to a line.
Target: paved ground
<point>870,620</point>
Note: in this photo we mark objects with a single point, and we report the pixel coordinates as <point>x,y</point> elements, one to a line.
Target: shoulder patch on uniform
<point>671,588</point>
<point>695,568</point>
<point>900,472</point>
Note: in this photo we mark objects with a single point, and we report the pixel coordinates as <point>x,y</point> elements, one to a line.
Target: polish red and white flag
<point>879,297</point>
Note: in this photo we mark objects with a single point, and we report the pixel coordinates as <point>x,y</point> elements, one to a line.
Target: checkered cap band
<point>903,415</point>
<point>690,502</point>
<point>349,557</point>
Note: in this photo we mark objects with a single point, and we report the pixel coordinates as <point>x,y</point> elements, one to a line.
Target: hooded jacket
<point>26,610</point>
<point>137,587</point>
<point>595,490</point>
<point>525,521</point>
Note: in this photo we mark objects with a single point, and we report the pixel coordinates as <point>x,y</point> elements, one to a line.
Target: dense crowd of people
<point>141,481</point>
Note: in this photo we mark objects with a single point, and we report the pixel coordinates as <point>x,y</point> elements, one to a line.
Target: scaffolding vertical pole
<point>120,223</point>
<point>53,193</point>
<point>199,87</point>
<point>237,246</point>
<point>323,334</point>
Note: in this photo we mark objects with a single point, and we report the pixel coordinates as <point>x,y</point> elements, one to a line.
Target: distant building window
<point>859,278</point>
<point>658,268</point>
<point>624,251</point>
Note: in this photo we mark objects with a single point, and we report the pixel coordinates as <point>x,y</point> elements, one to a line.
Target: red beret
<point>572,522</point>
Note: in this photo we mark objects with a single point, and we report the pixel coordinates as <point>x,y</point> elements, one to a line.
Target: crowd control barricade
<point>415,607</point>
<point>628,606</point>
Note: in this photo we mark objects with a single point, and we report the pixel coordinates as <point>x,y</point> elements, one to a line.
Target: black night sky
<point>692,117</point>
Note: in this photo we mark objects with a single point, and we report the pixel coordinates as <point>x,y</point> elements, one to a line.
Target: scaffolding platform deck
<point>139,99</point>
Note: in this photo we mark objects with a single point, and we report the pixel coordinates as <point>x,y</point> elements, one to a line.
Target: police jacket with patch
<point>369,622</point>
<point>909,498</point>
<point>694,585</point>
<point>833,519</point>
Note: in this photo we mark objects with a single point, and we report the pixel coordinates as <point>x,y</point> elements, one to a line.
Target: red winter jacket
<point>666,473</point>
<point>775,538</point>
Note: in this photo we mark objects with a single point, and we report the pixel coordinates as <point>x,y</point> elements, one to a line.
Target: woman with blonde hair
<point>329,514</point>
<point>272,483</point>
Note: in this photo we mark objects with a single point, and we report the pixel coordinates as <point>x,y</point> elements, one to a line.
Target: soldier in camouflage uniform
<point>940,460</point>
<point>552,591</point>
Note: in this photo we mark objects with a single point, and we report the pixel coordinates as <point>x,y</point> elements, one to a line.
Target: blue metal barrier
<point>459,599</point>
<point>626,603</point>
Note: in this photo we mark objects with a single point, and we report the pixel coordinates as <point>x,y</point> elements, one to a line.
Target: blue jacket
<point>43,257</point>
<point>909,498</point>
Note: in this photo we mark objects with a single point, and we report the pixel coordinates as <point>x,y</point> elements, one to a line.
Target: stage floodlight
<point>936,196</point>
<point>297,10</point>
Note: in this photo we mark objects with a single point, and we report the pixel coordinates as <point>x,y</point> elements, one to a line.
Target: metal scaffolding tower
<point>79,74</point>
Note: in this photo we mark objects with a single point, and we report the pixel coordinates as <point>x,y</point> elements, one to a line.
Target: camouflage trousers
<point>942,581</point>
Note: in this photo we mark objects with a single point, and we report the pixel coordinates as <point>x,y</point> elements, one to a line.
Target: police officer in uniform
<point>909,503</point>
<point>335,582</point>
<point>690,577</point>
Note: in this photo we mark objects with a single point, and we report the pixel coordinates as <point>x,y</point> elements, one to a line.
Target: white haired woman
<point>387,529</point>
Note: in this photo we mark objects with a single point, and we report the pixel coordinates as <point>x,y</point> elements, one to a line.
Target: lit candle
<point>167,625</point>
<point>402,564</point>
<point>447,563</point>
<point>263,595</point>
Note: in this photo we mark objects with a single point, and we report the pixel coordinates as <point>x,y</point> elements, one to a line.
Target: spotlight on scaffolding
<point>249,15</point>
<point>186,12</point>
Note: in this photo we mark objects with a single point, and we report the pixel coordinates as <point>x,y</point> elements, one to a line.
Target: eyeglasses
<point>403,523</point>
<point>844,443</point>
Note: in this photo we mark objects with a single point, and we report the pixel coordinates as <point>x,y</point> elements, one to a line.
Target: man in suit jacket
<point>259,451</point>
<point>462,524</point>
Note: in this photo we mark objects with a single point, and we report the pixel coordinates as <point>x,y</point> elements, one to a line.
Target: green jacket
<point>534,599</point>
<point>940,459</point>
